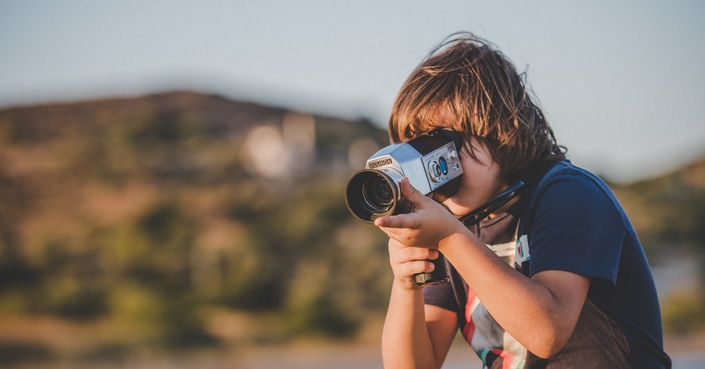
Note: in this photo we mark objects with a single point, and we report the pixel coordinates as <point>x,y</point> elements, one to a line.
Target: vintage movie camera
<point>432,164</point>
<point>430,161</point>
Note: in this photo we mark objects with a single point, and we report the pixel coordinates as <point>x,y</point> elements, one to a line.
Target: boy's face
<point>480,179</point>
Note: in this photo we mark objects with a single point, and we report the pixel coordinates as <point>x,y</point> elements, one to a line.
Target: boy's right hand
<point>427,225</point>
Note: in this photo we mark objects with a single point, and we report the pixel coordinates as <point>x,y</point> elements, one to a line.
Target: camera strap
<point>492,205</point>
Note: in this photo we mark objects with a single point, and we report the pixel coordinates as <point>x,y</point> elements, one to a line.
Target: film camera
<point>430,162</point>
<point>432,165</point>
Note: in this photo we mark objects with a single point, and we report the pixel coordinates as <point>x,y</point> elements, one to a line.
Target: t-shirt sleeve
<point>440,295</point>
<point>576,227</point>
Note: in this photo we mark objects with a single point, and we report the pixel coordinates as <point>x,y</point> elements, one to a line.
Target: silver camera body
<point>431,163</point>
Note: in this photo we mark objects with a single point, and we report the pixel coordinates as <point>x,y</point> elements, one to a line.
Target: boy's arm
<point>540,313</point>
<point>442,327</point>
<point>414,335</point>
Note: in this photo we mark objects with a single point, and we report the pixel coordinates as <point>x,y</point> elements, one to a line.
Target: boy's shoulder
<point>566,178</point>
<point>568,187</point>
<point>565,169</point>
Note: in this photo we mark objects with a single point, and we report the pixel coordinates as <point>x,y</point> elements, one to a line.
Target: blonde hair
<point>468,85</point>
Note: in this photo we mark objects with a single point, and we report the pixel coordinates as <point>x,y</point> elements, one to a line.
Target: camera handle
<point>439,274</point>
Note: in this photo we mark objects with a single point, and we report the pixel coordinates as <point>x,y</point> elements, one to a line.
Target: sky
<point>621,82</point>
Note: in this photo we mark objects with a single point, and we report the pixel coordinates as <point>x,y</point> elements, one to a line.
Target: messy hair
<point>468,85</point>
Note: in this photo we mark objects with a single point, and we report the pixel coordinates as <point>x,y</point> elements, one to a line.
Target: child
<point>579,292</point>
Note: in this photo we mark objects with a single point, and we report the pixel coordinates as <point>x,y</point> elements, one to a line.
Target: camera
<point>430,162</point>
<point>432,165</point>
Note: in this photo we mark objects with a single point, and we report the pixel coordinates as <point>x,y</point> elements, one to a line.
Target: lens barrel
<point>371,194</point>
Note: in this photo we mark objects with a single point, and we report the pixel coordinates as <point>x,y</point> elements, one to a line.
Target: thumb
<point>412,195</point>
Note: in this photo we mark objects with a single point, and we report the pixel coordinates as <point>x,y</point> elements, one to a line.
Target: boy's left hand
<point>425,226</point>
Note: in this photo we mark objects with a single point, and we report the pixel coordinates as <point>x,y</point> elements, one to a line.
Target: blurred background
<point>172,172</point>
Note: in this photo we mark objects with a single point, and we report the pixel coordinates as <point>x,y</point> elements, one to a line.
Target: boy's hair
<point>468,85</point>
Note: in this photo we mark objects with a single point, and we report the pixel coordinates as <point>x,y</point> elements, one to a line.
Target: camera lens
<point>377,193</point>
<point>371,194</point>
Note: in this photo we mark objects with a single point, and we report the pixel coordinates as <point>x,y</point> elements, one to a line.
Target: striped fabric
<point>495,347</point>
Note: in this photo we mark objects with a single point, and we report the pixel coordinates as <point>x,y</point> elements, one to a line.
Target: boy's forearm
<point>546,317</point>
<point>405,339</point>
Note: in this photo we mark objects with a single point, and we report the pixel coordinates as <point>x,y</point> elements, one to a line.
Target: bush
<point>683,312</point>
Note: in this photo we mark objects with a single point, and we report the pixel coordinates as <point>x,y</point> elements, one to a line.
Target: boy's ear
<point>479,151</point>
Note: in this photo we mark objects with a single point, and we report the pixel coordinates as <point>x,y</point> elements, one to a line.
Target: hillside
<point>183,219</point>
<point>165,214</point>
<point>668,211</point>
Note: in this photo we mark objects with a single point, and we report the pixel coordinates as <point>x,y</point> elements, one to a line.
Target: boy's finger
<point>388,222</point>
<point>394,221</point>
<point>411,194</point>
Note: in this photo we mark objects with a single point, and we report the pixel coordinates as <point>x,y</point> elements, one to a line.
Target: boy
<point>579,293</point>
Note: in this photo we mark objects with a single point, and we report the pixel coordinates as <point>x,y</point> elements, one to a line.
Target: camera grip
<point>437,276</point>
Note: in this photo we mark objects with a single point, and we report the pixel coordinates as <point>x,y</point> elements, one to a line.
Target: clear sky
<point>622,82</point>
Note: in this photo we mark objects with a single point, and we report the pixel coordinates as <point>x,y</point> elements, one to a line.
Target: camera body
<point>431,163</point>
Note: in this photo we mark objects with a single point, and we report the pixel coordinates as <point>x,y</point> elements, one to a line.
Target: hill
<point>183,219</point>
<point>668,211</point>
<point>164,213</point>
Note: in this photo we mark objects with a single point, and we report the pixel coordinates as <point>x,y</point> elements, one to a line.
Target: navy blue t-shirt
<point>571,221</point>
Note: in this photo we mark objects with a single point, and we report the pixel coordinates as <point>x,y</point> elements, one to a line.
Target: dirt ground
<point>47,343</point>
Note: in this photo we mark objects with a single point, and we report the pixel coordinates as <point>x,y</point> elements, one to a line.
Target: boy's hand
<point>407,262</point>
<point>425,226</point>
